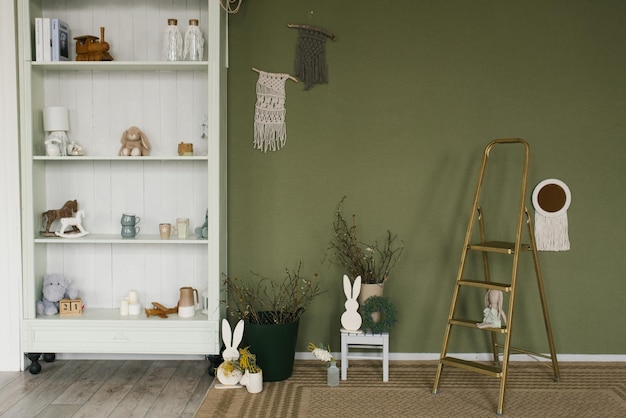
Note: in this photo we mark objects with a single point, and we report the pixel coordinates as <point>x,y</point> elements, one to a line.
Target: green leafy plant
<point>247,361</point>
<point>383,306</point>
<point>371,261</point>
<point>264,300</point>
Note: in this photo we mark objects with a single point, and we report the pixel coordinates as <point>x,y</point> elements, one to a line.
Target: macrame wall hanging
<point>270,130</point>
<point>311,66</point>
<point>551,199</point>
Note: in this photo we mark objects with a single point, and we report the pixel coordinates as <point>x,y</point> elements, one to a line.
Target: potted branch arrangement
<point>372,261</point>
<point>271,310</point>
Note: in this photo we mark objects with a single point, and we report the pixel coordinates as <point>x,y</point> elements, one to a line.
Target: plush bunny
<point>351,319</point>
<point>134,143</point>
<point>493,312</point>
<point>229,373</point>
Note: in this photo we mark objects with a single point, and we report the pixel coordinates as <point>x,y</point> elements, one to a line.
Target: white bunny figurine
<point>226,376</point>
<point>351,319</point>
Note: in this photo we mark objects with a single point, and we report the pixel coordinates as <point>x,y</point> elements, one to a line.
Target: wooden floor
<point>106,388</point>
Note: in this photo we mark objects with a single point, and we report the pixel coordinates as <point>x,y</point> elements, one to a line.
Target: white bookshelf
<point>170,102</point>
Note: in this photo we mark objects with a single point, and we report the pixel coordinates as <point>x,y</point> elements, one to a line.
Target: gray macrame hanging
<point>270,131</point>
<point>311,66</point>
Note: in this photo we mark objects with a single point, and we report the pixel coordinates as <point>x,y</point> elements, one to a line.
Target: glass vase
<point>172,42</point>
<point>332,374</point>
<point>194,42</point>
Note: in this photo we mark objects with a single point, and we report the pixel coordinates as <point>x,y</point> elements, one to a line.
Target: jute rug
<point>584,390</point>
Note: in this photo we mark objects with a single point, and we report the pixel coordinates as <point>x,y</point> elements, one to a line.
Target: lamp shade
<point>56,118</point>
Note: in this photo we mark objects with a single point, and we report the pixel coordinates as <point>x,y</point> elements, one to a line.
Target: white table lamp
<point>56,122</point>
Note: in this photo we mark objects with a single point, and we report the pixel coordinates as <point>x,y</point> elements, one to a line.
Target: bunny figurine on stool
<point>229,373</point>
<point>351,319</point>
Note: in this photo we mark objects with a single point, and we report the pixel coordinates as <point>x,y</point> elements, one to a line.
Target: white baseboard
<point>392,356</point>
<point>111,356</point>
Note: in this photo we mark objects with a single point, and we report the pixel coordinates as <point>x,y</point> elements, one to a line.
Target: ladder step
<point>493,371</point>
<point>498,247</point>
<point>472,324</point>
<point>485,285</point>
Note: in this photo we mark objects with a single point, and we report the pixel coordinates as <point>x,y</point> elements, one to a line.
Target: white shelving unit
<point>171,102</point>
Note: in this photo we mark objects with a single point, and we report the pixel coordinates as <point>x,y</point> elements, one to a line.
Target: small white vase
<point>252,381</point>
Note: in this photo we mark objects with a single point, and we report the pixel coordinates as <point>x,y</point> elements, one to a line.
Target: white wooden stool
<point>359,339</point>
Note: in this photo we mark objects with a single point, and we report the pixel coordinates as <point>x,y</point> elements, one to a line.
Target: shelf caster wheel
<point>34,367</point>
<point>49,357</point>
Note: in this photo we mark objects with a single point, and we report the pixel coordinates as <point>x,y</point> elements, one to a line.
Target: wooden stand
<point>362,340</point>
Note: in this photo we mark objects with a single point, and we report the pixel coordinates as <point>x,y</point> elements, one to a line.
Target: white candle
<point>134,309</point>
<point>124,306</point>
<point>133,296</point>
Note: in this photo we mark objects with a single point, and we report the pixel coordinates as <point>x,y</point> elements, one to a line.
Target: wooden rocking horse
<point>48,217</point>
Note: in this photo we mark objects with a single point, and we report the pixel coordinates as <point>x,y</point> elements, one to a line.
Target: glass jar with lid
<point>194,42</point>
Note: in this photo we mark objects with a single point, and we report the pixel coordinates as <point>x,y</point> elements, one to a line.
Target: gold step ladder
<point>498,368</point>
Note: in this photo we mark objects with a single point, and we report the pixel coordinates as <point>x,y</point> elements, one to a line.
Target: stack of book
<point>52,40</point>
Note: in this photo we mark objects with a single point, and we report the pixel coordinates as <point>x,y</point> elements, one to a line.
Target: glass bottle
<point>194,42</point>
<point>332,374</point>
<point>172,42</point>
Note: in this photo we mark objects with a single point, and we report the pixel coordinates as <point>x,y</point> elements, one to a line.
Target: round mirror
<point>551,198</point>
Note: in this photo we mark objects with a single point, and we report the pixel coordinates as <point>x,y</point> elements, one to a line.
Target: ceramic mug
<point>129,219</point>
<point>182,227</point>
<point>130,231</point>
<point>164,230</point>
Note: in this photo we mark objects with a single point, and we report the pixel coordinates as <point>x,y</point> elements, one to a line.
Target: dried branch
<point>271,301</point>
<point>372,262</point>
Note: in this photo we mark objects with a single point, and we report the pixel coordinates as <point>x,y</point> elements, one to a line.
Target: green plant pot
<point>274,346</point>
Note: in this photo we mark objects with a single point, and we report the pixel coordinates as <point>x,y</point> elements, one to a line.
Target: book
<point>59,37</point>
<point>47,44</point>
<point>38,39</point>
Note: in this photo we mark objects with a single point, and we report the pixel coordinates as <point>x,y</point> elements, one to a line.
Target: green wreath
<point>388,314</point>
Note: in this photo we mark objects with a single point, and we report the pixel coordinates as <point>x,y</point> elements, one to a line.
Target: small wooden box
<point>185,149</point>
<point>69,307</point>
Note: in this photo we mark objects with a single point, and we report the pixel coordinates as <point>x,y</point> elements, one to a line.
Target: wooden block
<point>69,307</point>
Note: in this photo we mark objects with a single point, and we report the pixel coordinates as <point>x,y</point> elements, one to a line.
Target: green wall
<point>417,89</point>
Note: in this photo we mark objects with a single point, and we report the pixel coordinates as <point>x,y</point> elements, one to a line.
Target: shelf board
<point>122,65</point>
<point>118,158</point>
<point>113,314</point>
<point>117,239</point>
